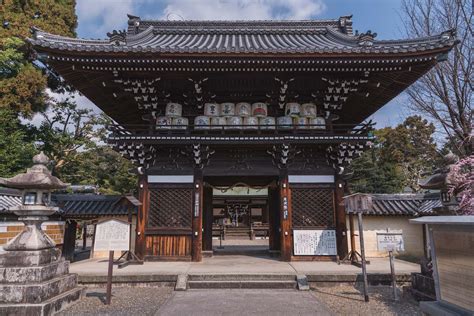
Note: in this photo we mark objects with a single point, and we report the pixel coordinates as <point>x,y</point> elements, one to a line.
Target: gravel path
<point>338,300</point>
<point>125,301</point>
<point>347,300</point>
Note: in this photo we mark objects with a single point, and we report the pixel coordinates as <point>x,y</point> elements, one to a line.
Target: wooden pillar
<point>285,216</point>
<point>341,229</point>
<point>84,235</point>
<point>69,242</point>
<point>144,197</point>
<point>197,216</point>
<point>207,220</point>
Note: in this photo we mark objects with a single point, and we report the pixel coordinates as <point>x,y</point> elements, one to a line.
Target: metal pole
<point>109,278</point>
<point>392,272</point>
<point>362,254</point>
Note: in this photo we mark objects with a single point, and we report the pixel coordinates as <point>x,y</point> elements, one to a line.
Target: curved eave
<point>330,44</point>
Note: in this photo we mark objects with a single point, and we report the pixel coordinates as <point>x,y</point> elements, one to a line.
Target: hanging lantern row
<point>243,115</point>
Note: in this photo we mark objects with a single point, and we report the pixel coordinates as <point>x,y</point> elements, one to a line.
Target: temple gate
<point>274,104</point>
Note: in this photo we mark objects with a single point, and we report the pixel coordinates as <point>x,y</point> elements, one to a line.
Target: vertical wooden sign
<point>286,212</point>
<point>197,217</point>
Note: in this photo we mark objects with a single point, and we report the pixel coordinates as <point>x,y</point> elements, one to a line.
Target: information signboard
<point>314,242</point>
<point>111,235</point>
<point>390,242</point>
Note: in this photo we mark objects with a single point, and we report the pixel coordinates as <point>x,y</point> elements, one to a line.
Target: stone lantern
<point>34,279</point>
<point>36,185</point>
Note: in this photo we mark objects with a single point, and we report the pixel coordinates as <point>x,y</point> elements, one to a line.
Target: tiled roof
<point>9,198</point>
<point>265,37</point>
<point>75,205</point>
<point>404,204</point>
<point>89,205</point>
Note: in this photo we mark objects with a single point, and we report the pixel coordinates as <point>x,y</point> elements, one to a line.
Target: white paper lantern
<point>301,122</point>
<point>243,109</point>
<point>174,109</point>
<point>180,123</point>
<point>227,109</point>
<point>163,122</point>
<point>285,122</point>
<point>320,123</point>
<point>292,109</point>
<point>211,109</point>
<point>218,122</point>
<point>308,110</point>
<point>201,122</point>
<point>234,122</point>
<point>259,109</point>
<point>251,122</point>
<point>267,122</point>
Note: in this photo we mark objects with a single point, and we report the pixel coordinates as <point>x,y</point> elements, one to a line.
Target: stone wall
<point>412,234</point>
<point>8,230</point>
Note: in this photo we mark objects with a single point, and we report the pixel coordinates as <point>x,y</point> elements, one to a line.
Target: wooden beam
<point>144,197</point>
<point>197,216</point>
<point>285,217</point>
<point>341,229</point>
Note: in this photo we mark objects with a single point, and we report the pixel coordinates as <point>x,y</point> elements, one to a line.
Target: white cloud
<point>241,9</point>
<point>97,17</point>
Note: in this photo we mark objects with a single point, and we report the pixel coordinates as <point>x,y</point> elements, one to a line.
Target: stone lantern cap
<point>36,177</point>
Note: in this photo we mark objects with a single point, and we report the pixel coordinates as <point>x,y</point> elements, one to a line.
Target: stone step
<point>35,293</point>
<point>49,307</point>
<point>33,274</point>
<point>241,277</point>
<point>243,284</point>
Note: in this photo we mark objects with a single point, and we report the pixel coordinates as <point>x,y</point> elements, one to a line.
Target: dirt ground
<point>141,301</point>
<point>348,300</point>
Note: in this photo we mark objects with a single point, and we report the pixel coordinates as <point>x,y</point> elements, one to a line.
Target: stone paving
<point>241,264</point>
<point>243,302</point>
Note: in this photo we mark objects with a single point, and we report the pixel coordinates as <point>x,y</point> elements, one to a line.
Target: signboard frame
<point>304,250</point>
<point>387,246</point>
<point>121,245</point>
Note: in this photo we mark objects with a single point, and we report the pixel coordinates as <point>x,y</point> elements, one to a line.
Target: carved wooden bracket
<point>282,155</point>
<point>340,156</point>
<point>141,155</point>
<point>201,155</point>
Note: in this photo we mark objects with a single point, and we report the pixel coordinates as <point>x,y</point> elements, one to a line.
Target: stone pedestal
<point>36,282</point>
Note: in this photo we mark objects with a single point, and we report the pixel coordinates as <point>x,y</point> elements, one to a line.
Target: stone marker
<point>181,283</point>
<point>302,282</point>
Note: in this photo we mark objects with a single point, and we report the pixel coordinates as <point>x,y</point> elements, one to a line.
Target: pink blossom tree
<point>461,184</point>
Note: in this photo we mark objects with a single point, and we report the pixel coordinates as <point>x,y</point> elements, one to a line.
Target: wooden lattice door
<point>169,222</point>
<point>312,207</point>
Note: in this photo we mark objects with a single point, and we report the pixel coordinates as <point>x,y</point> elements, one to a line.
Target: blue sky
<point>97,17</point>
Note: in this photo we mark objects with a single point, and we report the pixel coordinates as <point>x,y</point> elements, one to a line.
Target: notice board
<point>390,241</point>
<point>112,234</point>
<point>314,242</point>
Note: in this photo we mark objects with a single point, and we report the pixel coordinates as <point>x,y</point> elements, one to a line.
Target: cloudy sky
<point>97,17</point>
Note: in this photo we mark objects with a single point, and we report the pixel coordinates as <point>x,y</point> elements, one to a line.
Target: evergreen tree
<point>400,157</point>
<point>23,82</point>
<point>16,147</point>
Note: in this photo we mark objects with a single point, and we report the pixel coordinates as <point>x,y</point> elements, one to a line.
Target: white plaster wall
<point>412,234</point>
